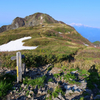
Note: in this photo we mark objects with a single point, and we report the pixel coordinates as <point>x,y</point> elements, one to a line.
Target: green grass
<point>50,68</point>
<point>56,75</point>
<point>6,83</point>
<point>38,81</point>
<point>52,48</point>
<point>70,78</point>
<point>56,92</point>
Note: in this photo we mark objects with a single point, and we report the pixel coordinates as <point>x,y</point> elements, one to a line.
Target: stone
<point>48,95</point>
<point>14,91</point>
<point>22,85</point>
<point>60,96</point>
<point>67,87</point>
<point>97,97</point>
<point>27,70</point>
<point>31,92</point>
<point>88,91</point>
<point>44,92</point>
<point>87,97</point>
<point>77,92</point>
<point>31,88</point>
<point>73,72</point>
<point>68,91</point>
<point>29,96</point>
<point>55,99</point>
<point>74,87</point>
<point>11,92</point>
<point>52,85</point>
<point>25,86</point>
<point>39,92</point>
<point>12,97</point>
<point>36,89</point>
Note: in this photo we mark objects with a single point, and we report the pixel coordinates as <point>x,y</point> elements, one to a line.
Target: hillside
<point>97,43</point>
<point>65,65</point>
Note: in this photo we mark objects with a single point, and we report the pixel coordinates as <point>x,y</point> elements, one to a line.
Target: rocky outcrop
<point>31,20</point>
<point>3,28</point>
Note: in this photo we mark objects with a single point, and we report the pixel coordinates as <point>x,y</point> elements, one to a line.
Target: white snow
<point>16,45</point>
<point>41,17</point>
<point>86,44</point>
<point>59,32</point>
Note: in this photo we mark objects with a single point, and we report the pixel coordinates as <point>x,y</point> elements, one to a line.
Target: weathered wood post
<point>21,68</point>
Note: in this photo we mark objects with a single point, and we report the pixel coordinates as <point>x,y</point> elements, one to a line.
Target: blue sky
<point>86,12</point>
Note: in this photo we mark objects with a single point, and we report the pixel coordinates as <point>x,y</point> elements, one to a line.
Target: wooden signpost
<point>21,68</point>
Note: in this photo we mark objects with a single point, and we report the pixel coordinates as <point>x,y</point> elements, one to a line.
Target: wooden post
<point>19,65</point>
<point>21,68</point>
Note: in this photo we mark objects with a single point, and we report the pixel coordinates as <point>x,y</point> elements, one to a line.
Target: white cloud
<point>79,24</point>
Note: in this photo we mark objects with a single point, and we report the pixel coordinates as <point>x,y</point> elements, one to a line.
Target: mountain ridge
<point>31,20</point>
<point>59,28</point>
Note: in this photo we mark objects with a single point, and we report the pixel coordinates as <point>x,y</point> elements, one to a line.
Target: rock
<point>12,97</point>
<point>67,87</point>
<point>95,85</point>
<point>44,92</point>
<point>11,92</point>
<point>23,78</point>
<point>87,97</point>
<point>36,89</point>
<point>83,84</point>
<point>55,99</point>
<point>27,70</point>
<point>77,92</point>
<point>48,65</point>
<point>52,85</point>
<point>68,91</point>
<point>29,96</point>
<point>88,91</point>
<point>22,85</point>
<point>74,87</point>
<point>31,92</point>
<point>97,97</point>
<point>14,91</point>
<point>7,72</point>
<point>31,88</point>
<point>48,95</point>
<point>60,96</point>
<point>39,92</point>
<point>73,72</point>
<point>25,86</point>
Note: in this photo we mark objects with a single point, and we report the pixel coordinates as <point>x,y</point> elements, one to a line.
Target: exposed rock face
<point>31,20</point>
<point>3,28</point>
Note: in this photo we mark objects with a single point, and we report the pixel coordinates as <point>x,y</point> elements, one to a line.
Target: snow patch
<point>59,32</point>
<point>41,17</point>
<point>16,45</point>
<point>85,44</point>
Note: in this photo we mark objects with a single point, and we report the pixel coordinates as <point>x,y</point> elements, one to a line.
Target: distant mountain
<point>31,20</point>
<point>92,34</point>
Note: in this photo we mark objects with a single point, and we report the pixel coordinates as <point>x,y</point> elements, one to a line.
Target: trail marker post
<point>21,68</point>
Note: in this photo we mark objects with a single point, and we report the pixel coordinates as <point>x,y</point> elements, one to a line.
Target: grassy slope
<point>52,46</point>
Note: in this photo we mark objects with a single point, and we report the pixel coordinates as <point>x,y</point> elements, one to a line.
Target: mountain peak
<point>31,20</point>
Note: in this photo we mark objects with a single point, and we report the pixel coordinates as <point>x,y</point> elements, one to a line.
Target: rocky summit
<point>31,20</point>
